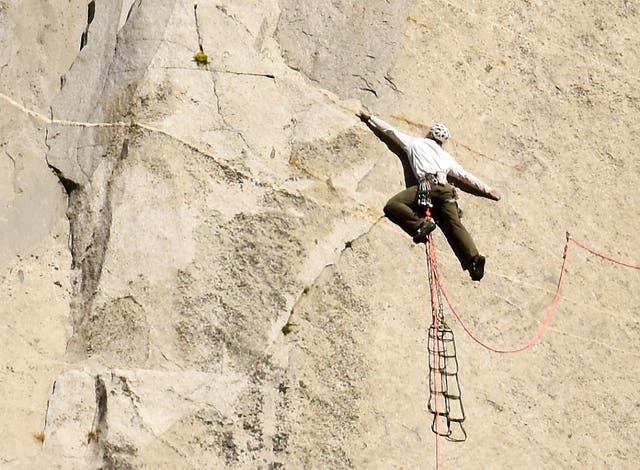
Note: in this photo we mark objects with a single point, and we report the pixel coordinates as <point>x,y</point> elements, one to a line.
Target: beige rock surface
<point>195,268</point>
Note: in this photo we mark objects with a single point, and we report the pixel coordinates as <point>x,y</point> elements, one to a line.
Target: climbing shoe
<point>424,230</point>
<point>476,268</point>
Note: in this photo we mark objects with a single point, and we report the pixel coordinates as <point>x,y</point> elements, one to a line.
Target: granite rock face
<point>196,270</point>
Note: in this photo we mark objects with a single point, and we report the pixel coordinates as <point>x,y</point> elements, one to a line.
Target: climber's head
<point>439,133</point>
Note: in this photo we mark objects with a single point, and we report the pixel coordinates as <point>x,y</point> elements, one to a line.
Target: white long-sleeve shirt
<point>427,157</point>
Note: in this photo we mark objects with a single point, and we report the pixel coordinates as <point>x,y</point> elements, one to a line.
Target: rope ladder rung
<point>445,395</point>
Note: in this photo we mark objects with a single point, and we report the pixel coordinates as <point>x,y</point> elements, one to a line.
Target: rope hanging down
<point>445,395</point>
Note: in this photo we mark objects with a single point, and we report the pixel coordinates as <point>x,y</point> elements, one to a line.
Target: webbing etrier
<point>445,395</point>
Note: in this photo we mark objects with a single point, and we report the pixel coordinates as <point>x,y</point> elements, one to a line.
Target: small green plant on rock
<point>201,58</point>
<point>288,328</point>
<point>92,436</point>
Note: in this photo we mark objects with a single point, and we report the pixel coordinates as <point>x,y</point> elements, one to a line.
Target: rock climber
<point>433,167</point>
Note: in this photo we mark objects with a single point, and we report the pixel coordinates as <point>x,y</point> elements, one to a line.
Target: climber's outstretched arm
<point>471,184</point>
<point>401,139</point>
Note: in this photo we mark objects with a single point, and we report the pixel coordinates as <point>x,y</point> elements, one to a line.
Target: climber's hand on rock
<point>495,195</point>
<point>364,115</point>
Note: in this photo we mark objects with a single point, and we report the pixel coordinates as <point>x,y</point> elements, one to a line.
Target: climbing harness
<point>422,198</point>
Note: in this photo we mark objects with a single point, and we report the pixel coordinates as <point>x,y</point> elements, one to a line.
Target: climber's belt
<point>436,178</point>
<point>431,178</point>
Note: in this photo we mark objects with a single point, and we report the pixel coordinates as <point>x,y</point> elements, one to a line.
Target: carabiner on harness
<point>423,199</point>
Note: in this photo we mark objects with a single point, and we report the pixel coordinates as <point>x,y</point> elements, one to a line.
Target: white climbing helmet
<point>440,132</point>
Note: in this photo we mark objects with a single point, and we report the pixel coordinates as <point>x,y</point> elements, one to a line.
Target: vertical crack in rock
<point>91,13</point>
<point>195,14</point>
<point>227,126</point>
<point>46,413</point>
<point>90,230</point>
<point>97,436</point>
<point>221,114</point>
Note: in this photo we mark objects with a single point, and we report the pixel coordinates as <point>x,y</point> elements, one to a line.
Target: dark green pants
<point>403,211</point>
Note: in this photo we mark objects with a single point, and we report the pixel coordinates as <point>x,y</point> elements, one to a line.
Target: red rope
<point>608,258</point>
<point>552,308</point>
<point>433,284</point>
